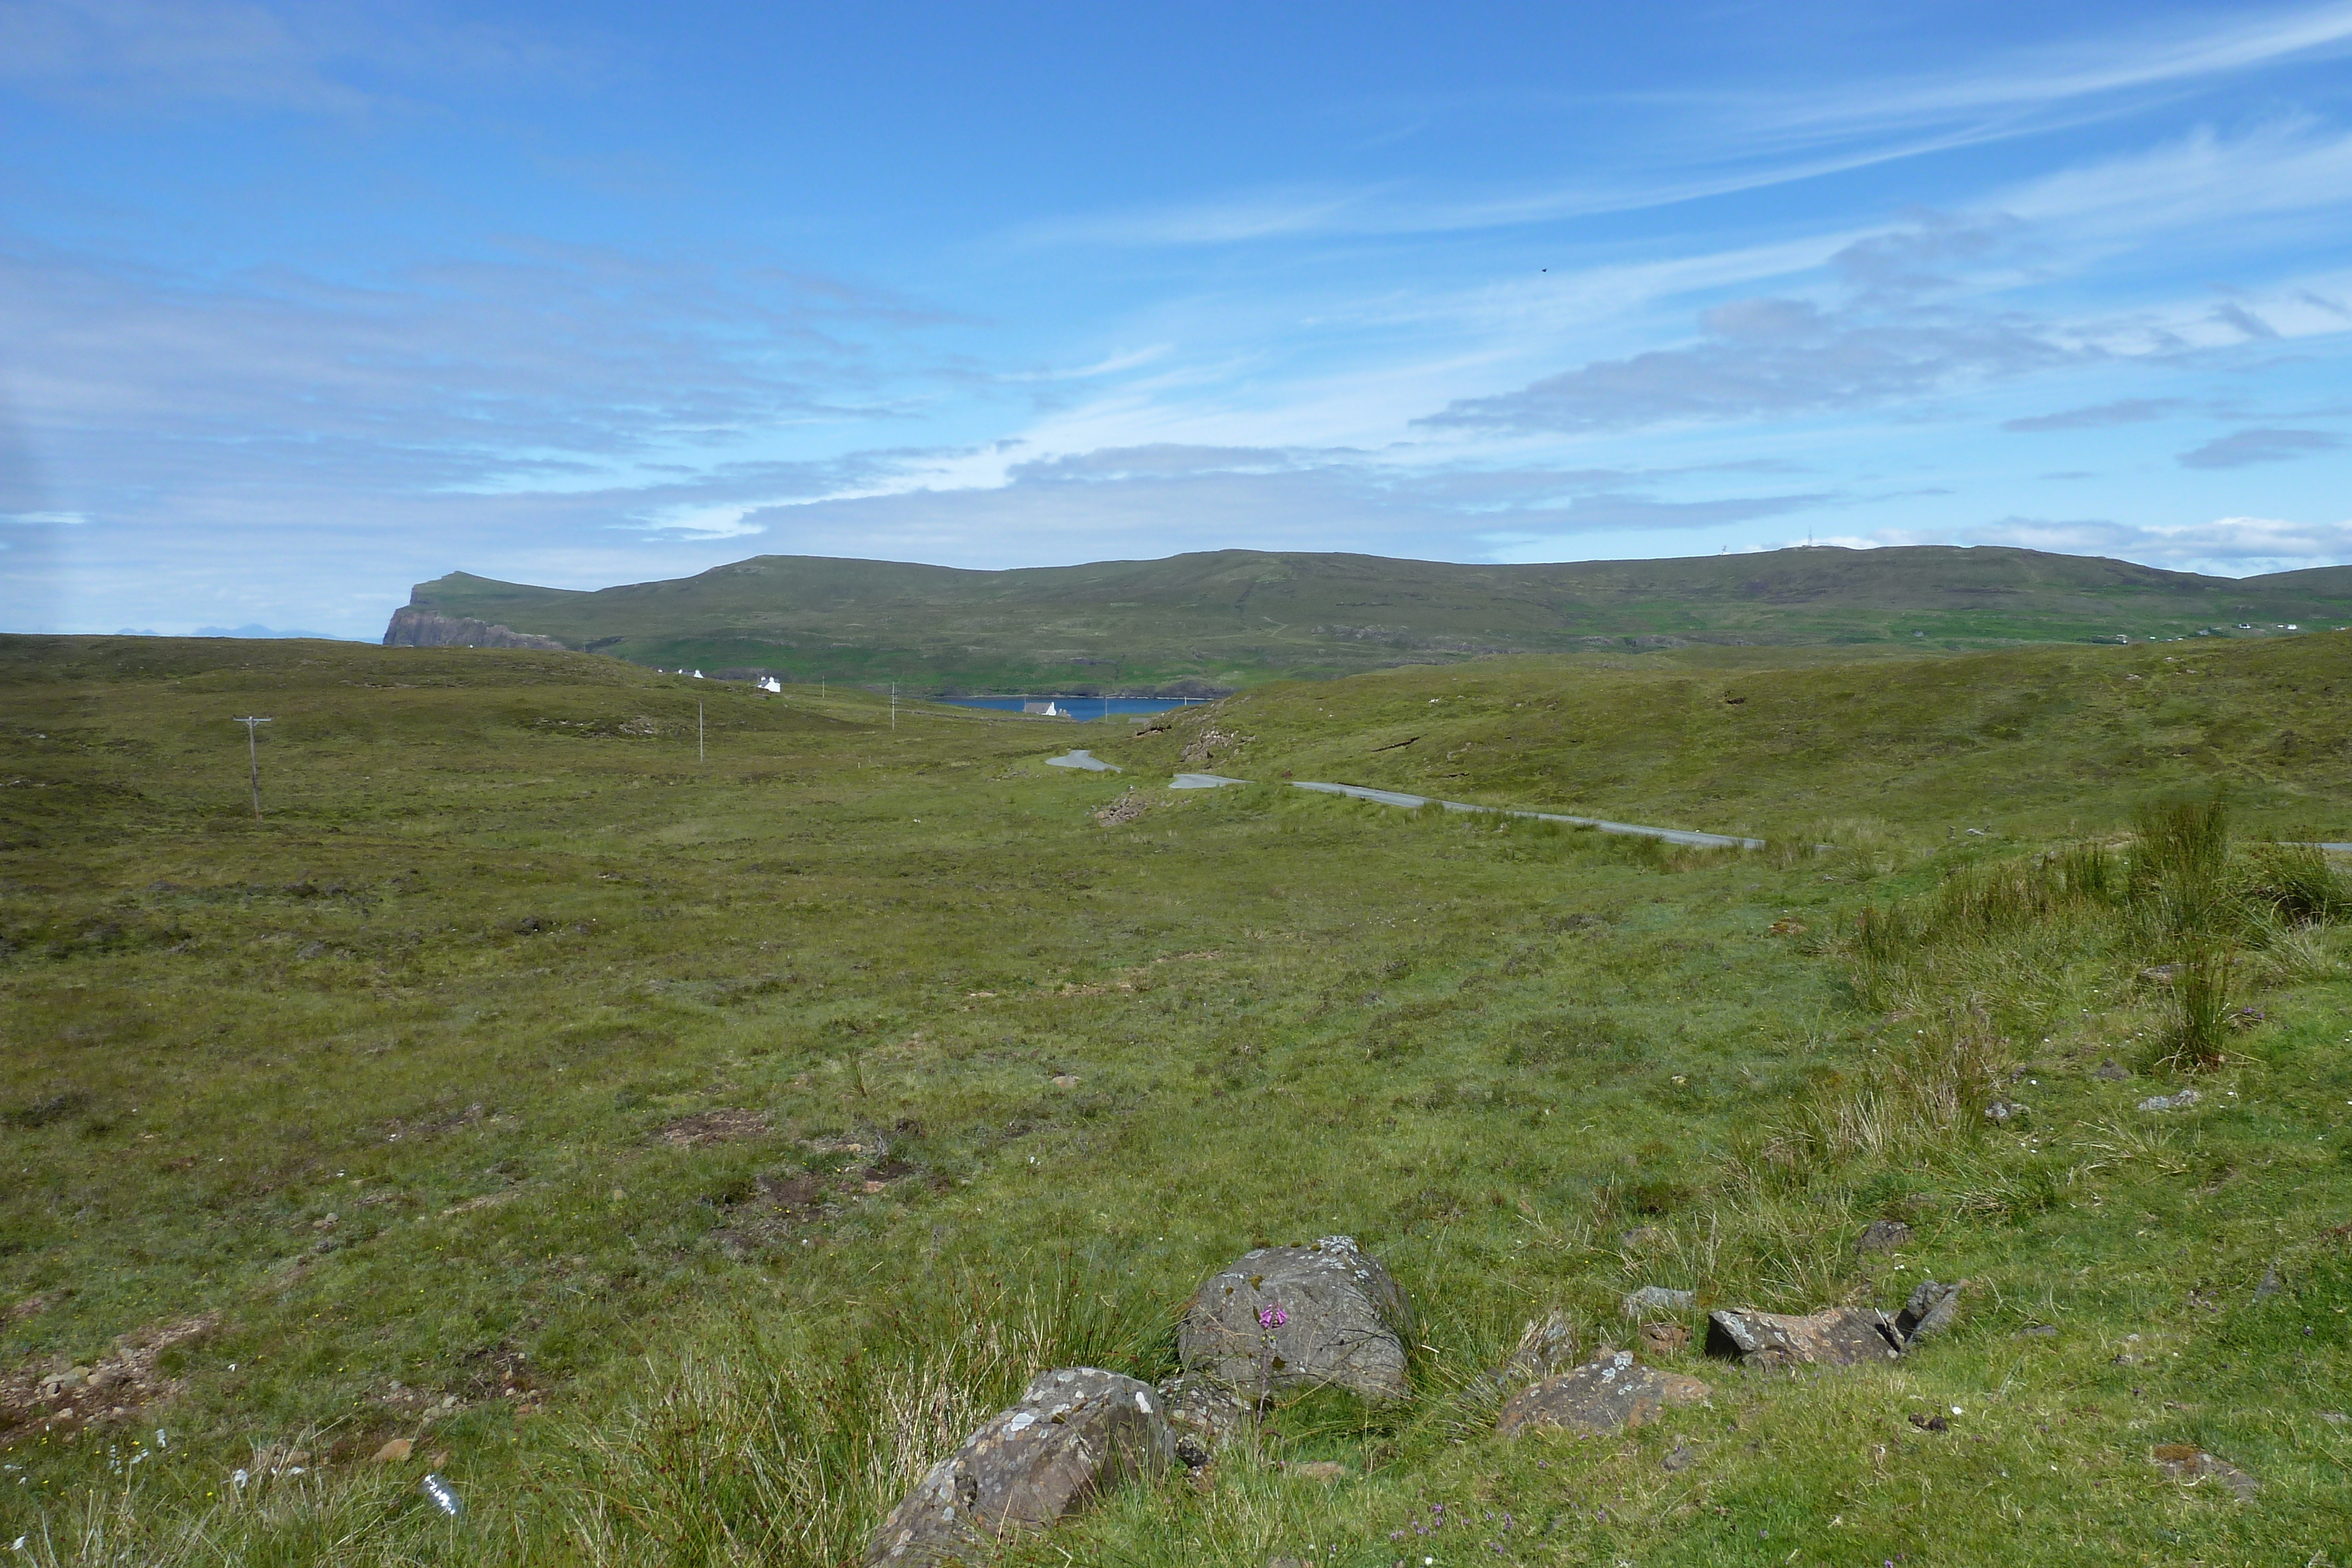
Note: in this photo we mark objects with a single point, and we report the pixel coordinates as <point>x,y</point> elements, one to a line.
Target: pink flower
<point>1272,1316</point>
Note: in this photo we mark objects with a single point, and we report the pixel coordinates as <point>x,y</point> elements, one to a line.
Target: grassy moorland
<point>683,1154</point>
<point>1228,619</point>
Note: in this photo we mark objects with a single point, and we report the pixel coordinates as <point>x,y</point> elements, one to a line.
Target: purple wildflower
<point>1272,1316</point>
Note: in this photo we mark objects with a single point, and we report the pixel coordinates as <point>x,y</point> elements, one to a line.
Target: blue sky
<point>300,304</point>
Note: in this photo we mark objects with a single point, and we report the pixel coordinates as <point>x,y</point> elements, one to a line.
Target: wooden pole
<point>253,759</point>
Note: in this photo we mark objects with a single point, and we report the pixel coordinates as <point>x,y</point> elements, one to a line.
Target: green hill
<point>1228,619</point>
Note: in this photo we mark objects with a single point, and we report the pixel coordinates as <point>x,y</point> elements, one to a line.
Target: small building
<point>1047,709</point>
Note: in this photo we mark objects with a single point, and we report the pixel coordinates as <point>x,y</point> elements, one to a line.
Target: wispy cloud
<point>2124,410</point>
<point>330,56</point>
<point>2243,449</point>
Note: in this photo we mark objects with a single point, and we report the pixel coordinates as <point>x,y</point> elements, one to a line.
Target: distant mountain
<point>253,629</point>
<point>1231,618</point>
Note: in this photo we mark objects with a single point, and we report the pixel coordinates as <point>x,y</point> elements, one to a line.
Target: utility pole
<point>253,759</point>
<point>700,754</point>
<point>894,704</point>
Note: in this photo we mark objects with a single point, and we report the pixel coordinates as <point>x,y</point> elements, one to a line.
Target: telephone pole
<point>700,754</point>
<point>253,757</point>
<point>894,704</point>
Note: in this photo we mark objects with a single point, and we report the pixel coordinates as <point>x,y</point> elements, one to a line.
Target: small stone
<point>1928,1312</point>
<point>1642,1238</point>
<point>1065,1081</point>
<point>2181,1102</point>
<point>1600,1397</point>
<point>2110,1072</point>
<point>393,1452</point>
<point>1678,1457</point>
<point>1926,1423</point>
<point>1664,1338</point>
<point>2040,1330</point>
<point>1547,1347</point>
<point>1324,1470</point>
<point>1883,1235</point>
<point>2335,1417</point>
<point>2271,1286</point>
<point>2002,1112</point>
<point>1656,1299</point>
<point>2188,1462</point>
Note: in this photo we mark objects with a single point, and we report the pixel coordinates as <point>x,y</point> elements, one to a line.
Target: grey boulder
<point>1075,1433</point>
<point>1839,1336</point>
<point>1344,1323</point>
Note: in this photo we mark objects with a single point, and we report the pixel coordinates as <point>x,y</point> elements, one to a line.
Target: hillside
<point>1775,743</point>
<point>1227,618</point>
<point>677,1117</point>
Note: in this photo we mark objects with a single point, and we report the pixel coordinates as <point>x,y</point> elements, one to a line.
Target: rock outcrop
<point>413,628</point>
<point>1608,1394</point>
<point>1075,1434</point>
<point>1839,1336</point>
<point>1282,1318</point>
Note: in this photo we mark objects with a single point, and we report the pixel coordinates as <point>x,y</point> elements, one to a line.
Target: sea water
<point>1081,708</point>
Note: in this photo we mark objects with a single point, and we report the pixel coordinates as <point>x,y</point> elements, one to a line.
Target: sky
<point>302,304</point>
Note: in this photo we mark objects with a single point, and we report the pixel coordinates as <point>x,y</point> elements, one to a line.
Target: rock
<point>2002,1112</point>
<point>1665,1339</point>
<point>1206,1415</point>
<point>1678,1457</point>
<point>1065,1081</point>
<point>1344,1323</point>
<point>1642,1236</point>
<point>1656,1299</point>
<point>1547,1347</point>
<point>2040,1330</point>
<point>2335,1417</point>
<point>2271,1284</point>
<point>2188,1462</point>
<point>2181,1102</point>
<point>396,1450</point>
<point>2110,1072</point>
<point>1599,1398</point>
<point>1928,1312</point>
<point>1324,1470</point>
<point>1075,1433</point>
<point>1839,1336</point>
<point>1883,1235</point>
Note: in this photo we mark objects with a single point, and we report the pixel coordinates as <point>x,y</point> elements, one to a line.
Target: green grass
<point>492,941</point>
<point>1229,619</point>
